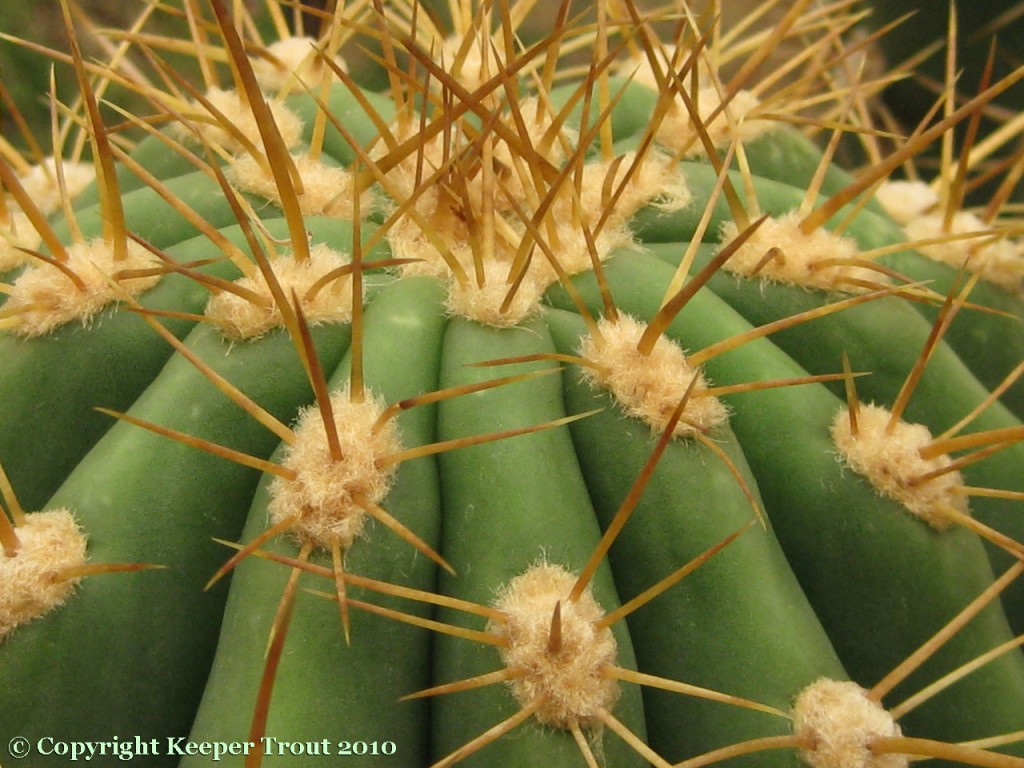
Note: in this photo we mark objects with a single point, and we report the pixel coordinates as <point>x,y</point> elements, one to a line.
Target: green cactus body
<point>118,356</point>
<point>818,532</point>
<point>531,454</point>
<point>404,325</point>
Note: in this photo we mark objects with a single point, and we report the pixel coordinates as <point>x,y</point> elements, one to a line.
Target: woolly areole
<point>325,493</point>
<point>891,460</point>
<point>30,585</point>
<point>569,679</point>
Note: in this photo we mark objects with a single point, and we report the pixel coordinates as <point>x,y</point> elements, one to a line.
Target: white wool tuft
<point>29,581</point>
<point>841,722</point>
<point>905,200</point>
<point>484,303</point>
<point>799,256</point>
<point>324,492</point>
<point>656,181</point>
<point>449,215</point>
<point>327,190</point>
<point>572,680</point>
<point>240,115</point>
<point>677,129</point>
<point>18,234</point>
<point>734,123</point>
<point>45,298</point>
<point>41,182</point>
<point>891,460</point>
<point>241,318</point>
<point>649,387</point>
<point>997,259</point>
<point>290,58</point>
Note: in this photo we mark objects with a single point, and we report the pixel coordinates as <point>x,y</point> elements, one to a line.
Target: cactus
<point>523,410</point>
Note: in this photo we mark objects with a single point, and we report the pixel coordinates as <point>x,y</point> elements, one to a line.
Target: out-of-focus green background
<point>26,73</point>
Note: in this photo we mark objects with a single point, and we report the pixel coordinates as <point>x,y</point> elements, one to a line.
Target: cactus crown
<point>530,358</point>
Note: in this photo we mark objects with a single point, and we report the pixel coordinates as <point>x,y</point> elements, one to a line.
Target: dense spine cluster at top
<point>559,401</point>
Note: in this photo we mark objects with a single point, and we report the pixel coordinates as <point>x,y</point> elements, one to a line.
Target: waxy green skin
<point>510,505</point>
<point>114,357</point>
<point>880,581</point>
<point>109,655</point>
<point>691,503</point>
<point>988,343</point>
<point>885,338</point>
<point>326,686</point>
<point>946,392</point>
